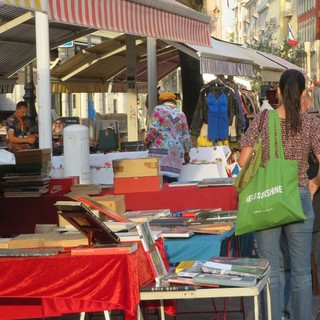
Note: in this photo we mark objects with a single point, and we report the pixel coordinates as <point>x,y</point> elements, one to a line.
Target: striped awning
<point>161,19</point>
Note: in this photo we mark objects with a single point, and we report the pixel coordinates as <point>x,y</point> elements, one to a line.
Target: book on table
<point>256,267</point>
<point>173,278</point>
<point>117,226</point>
<point>103,209</point>
<point>195,213</point>
<point>222,215</point>
<point>215,182</point>
<point>241,261</point>
<point>146,215</point>
<point>225,280</point>
<point>84,220</point>
<point>134,236</point>
<point>173,232</point>
<point>183,183</point>
<point>176,233</point>
<point>114,248</point>
<point>25,193</point>
<point>191,271</point>
<point>170,221</point>
<point>164,285</point>
<point>154,257</point>
<point>33,155</point>
<point>211,228</point>
<point>185,264</point>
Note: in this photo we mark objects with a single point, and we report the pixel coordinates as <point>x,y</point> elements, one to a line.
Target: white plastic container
<point>76,150</point>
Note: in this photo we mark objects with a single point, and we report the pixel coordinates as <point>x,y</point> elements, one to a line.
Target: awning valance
<point>284,63</point>
<point>270,71</point>
<point>162,19</point>
<point>228,58</point>
<point>221,58</point>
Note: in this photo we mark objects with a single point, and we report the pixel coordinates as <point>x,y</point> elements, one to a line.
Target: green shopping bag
<point>272,198</point>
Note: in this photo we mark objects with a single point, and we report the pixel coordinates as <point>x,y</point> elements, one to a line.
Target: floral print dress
<point>169,138</point>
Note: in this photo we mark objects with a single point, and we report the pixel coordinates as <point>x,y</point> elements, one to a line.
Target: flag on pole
<point>291,37</point>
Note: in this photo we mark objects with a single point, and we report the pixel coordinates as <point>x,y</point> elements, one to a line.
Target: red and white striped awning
<point>161,19</point>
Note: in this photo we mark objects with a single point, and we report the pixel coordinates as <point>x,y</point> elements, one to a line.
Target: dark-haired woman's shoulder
<point>311,120</point>
<point>311,116</point>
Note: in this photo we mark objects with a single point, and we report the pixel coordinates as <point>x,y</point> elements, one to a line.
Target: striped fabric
<point>144,18</point>
<point>37,5</point>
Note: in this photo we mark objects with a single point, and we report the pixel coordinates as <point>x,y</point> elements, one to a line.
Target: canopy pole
<point>132,112</point>
<point>152,74</point>
<point>43,74</point>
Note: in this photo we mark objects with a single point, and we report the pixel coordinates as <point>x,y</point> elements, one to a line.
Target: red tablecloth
<point>52,286</point>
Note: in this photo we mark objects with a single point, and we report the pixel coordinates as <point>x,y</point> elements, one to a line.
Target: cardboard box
<point>61,186</point>
<point>116,203</point>
<point>141,167</point>
<point>138,184</point>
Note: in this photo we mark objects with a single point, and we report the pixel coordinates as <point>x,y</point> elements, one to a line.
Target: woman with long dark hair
<point>300,136</point>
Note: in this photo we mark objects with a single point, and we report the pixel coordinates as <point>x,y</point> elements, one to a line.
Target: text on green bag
<point>264,194</point>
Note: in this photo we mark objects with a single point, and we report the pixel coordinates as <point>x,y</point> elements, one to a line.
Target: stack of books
<point>31,174</point>
<point>209,215</point>
<point>142,216</point>
<point>33,161</point>
<point>170,222</point>
<point>174,232</point>
<point>20,185</point>
<point>255,267</point>
<point>210,221</point>
<point>212,227</point>
<point>221,271</point>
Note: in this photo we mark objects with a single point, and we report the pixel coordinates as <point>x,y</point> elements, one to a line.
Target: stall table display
<point>207,162</point>
<point>183,197</point>
<point>20,215</point>
<point>222,292</point>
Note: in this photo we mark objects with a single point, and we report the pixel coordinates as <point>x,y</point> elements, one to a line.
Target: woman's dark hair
<point>292,84</point>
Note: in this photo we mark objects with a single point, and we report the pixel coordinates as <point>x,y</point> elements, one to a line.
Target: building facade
<point>282,20</point>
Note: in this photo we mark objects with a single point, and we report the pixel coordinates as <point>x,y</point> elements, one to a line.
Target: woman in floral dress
<point>168,137</point>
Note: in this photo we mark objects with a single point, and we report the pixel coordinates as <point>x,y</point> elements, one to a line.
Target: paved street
<point>200,309</point>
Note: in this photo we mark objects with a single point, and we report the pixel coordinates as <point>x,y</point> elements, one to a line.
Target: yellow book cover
<point>184,265</point>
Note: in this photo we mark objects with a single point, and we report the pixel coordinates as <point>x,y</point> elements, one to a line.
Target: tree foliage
<point>295,55</point>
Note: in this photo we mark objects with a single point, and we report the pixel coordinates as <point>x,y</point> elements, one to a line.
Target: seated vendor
<point>19,135</point>
<point>57,133</point>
